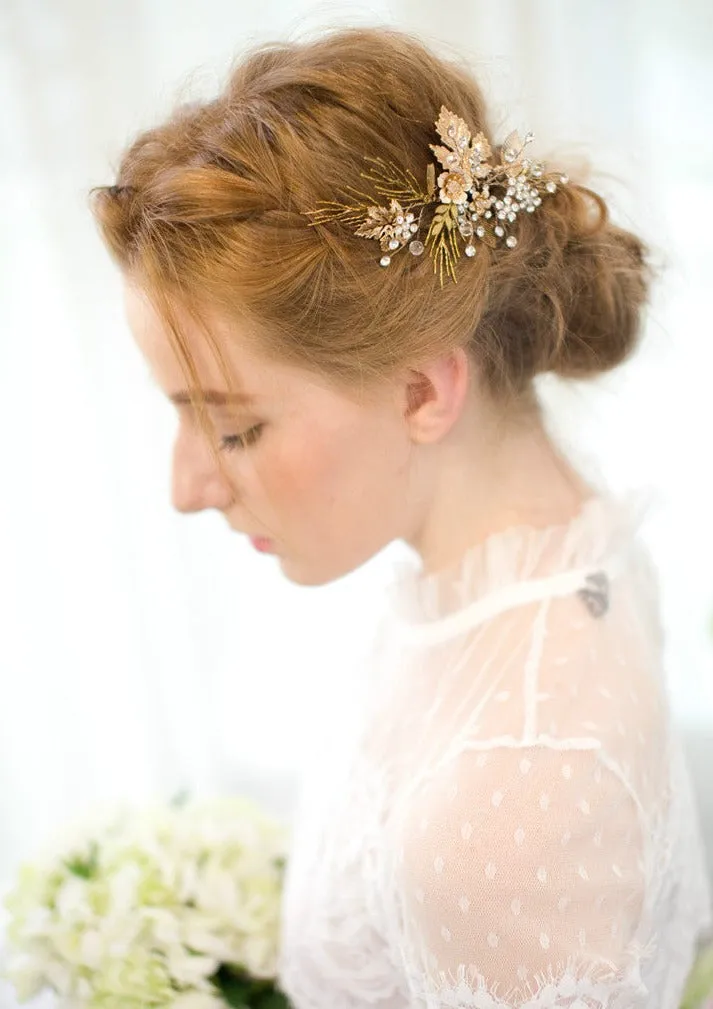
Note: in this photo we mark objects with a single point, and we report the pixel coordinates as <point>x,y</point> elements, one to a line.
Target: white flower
<point>143,908</point>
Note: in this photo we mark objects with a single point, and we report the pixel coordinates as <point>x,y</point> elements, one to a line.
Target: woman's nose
<point>197,480</point>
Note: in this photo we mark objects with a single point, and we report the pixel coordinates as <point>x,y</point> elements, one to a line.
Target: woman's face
<point>324,478</point>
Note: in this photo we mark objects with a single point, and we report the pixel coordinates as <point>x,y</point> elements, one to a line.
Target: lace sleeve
<point>523,883</point>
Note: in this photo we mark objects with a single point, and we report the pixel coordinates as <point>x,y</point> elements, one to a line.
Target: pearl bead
<point>385,260</point>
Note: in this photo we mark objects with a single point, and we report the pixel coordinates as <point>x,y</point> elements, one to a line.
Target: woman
<point>512,823</point>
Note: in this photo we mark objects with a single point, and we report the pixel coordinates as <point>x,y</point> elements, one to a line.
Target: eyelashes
<point>233,442</point>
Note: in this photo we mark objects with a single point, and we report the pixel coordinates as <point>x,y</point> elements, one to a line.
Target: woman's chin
<point>306,574</point>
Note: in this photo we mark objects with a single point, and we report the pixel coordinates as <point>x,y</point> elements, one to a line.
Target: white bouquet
<point>171,907</point>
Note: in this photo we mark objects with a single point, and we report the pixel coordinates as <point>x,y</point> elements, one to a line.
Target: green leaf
<point>234,988</point>
<point>85,868</point>
<point>273,1000</point>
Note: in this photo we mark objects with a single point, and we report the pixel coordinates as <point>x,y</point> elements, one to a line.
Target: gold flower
<point>454,187</point>
<point>482,200</point>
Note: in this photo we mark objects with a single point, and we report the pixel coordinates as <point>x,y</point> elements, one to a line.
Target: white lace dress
<point>512,822</point>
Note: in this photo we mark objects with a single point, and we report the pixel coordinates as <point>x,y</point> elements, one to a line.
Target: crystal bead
<point>564,179</point>
<point>499,231</point>
<point>502,215</point>
<point>512,217</point>
<point>416,248</point>
<point>470,250</point>
<point>385,260</point>
<point>399,219</point>
<point>537,201</point>
<point>511,241</point>
<point>480,232</point>
<point>394,244</point>
<point>414,228</point>
<point>488,214</point>
<point>529,208</point>
<point>551,187</point>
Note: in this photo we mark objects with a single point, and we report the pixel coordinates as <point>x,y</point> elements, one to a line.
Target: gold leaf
<point>512,142</point>
<point>445,156</point>
<point>482,141</point>
<point>448,121</point>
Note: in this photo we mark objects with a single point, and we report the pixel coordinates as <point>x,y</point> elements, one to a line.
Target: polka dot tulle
<point>511,824</point>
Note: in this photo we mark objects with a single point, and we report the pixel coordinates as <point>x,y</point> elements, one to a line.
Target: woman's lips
<point>263,544</point>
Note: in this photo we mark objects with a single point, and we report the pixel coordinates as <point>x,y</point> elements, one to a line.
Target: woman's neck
<point>509,474</point>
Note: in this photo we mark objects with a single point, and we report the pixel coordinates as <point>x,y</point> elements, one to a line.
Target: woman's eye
<point>245,440</point>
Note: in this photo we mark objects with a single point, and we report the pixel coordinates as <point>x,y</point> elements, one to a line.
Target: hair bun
<point>569,300</point>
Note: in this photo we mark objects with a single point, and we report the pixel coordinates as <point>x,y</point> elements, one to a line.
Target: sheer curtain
<point>142,653</point>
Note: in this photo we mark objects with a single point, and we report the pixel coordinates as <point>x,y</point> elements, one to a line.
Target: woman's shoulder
<point>559,646</point>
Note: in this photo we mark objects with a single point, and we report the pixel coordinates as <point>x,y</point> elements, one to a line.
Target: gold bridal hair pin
<point>473,198</point>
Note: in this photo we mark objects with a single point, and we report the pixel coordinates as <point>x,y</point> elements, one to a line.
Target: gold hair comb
<point>473,199</point>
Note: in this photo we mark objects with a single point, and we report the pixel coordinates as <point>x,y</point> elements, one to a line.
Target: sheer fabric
<point>512,822</point>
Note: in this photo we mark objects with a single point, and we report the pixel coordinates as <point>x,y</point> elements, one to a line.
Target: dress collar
<point>604,527</point>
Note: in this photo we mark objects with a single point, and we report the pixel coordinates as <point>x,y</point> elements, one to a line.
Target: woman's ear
<point>433,395</point>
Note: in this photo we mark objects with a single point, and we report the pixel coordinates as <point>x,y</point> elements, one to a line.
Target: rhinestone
<point>416,248</point>
<point>451,131</point>
<point>488,214</point>
<point>474,217</point>
<point>502,215</point>
<point>399,219</point>
<point>537,172</point>
<point>451,158</point>
<point>529,208</point>
<point>480,232</point>
<point>413,228</point>
<point>463,142</point>
<point>509,155</point>
<point>512,217</point>
<point>537,201</point>
<point>551,187</point>
<point>385,260</point>
<point>470,250</point>
<point>499,231</point>
<point>394,243</point>
<point>511,241</point>
<point>564,179</point>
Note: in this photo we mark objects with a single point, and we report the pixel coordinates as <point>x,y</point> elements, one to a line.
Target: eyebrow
<point>212,398</point>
